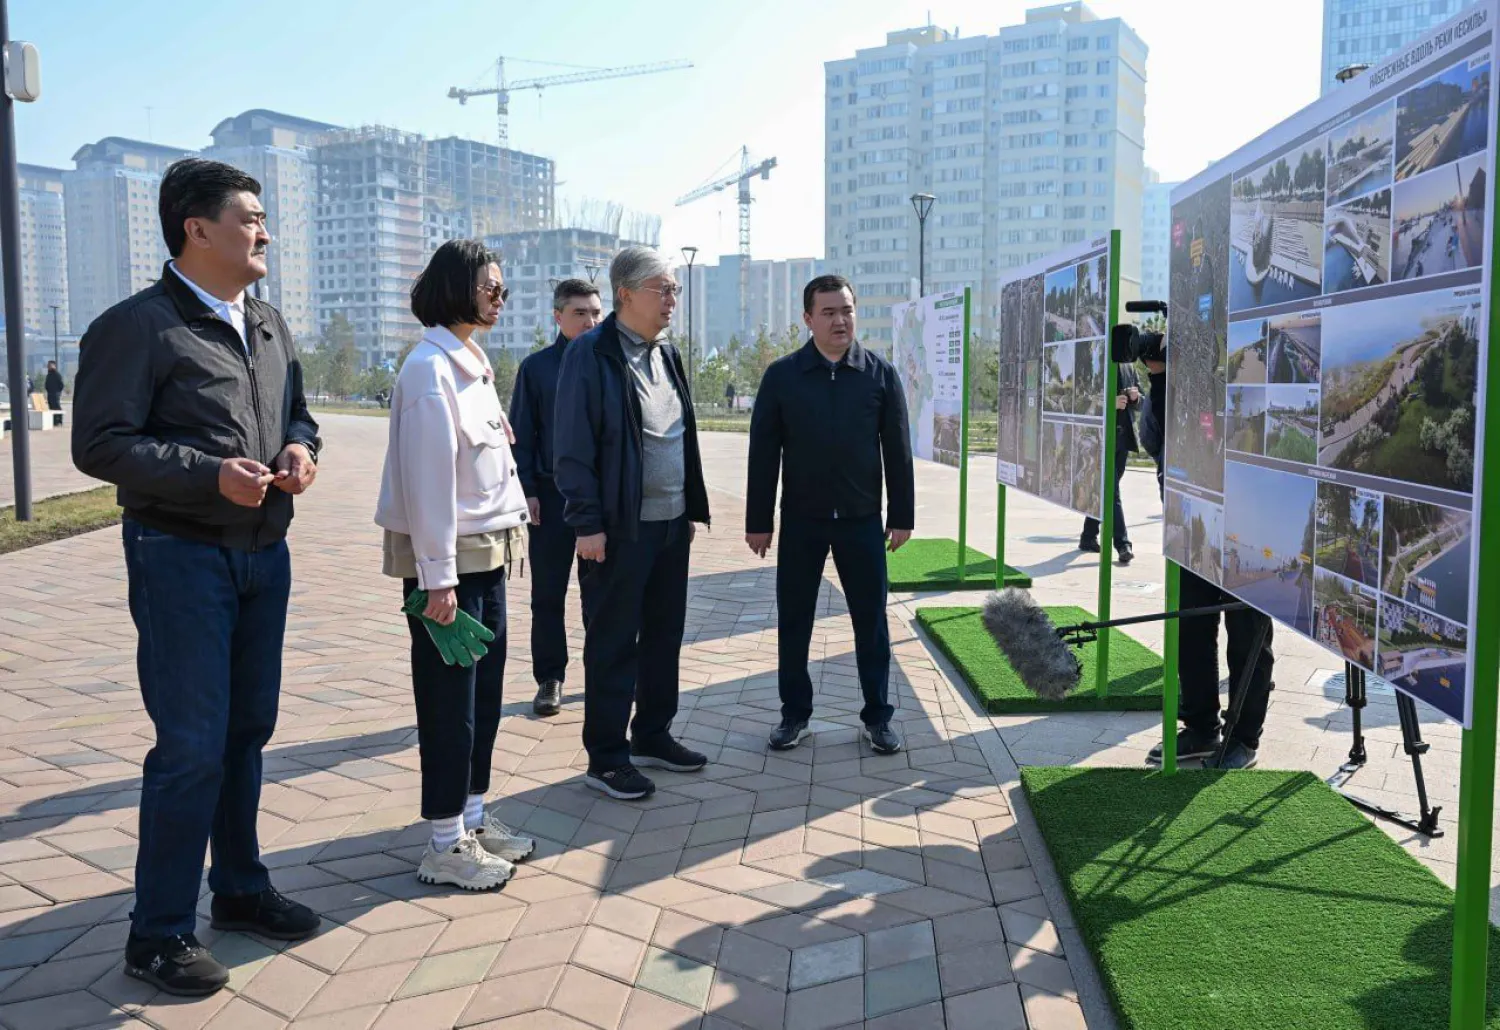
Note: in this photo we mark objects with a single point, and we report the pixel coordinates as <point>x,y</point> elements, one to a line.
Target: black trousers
<point>458,709</point>
<point>858,547</point>
<point>550,547</point>
<point>1198,662</point>
<point>636,605</point>
<point>1122,533</point>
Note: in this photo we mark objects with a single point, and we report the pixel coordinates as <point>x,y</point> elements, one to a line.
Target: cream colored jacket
<point>448,465</point>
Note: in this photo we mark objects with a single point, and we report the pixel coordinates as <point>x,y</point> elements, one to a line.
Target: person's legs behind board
<point>1198,672</point>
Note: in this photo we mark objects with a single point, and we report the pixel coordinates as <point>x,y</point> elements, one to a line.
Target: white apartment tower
<point>1030,139</point>
<point>115,246</point>
<point>370,237</point>
<point>277,150</point>
<point>44,250</point>
<point>1156,236</point>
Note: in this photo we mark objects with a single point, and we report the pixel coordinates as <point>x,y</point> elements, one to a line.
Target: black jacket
<point>596,443</point>
<point>531,407</point>
<point>829,430</point>
<point>54,381</point>
<point>1125,437</point>
<point>165,391</point>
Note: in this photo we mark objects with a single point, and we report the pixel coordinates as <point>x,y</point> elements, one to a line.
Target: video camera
<point>1129,343</point>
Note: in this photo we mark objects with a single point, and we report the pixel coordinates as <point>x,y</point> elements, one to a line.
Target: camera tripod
<point>1412,743</point>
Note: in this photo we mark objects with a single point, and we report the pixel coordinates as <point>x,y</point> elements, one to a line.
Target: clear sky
<point>1214,80</point>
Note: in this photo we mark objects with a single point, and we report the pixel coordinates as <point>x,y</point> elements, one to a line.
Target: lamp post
<point>922,202</point>
<point>690,253</point>
<point>55,355</point>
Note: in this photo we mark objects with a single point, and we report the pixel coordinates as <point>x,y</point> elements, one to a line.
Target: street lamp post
<point>55,355</point>
<point>690,253</point>
<point>922,202</point>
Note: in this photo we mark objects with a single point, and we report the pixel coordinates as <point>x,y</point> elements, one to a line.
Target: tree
<point>505,365</point>
<point>336,364</point>
<point>539,339</point>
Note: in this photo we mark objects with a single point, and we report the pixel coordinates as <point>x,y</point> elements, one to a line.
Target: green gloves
<point>461,642</point>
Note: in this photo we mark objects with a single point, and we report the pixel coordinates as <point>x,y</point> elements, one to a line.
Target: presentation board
<point>1327,335</point>
<point>1054,342</point>
<point>929,356</point>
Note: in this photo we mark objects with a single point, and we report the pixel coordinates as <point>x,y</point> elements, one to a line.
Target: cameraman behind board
<point>1198,640</point>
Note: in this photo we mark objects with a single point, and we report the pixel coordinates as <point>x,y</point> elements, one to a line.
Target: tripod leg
<point>1356,698</point>
<point>1237,705</point>
<point>1416,747</point>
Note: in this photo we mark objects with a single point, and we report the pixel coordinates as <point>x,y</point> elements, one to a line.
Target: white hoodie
<point>449,471</point>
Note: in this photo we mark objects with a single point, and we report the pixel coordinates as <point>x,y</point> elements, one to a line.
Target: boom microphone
<point>1149,307</point>
<point>1025,634</point>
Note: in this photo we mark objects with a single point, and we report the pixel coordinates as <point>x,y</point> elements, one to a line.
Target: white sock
<point>445,833</point>
<point>474,811</point>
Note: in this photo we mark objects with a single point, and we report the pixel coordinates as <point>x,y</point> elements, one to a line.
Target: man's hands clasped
<point>244,481</point>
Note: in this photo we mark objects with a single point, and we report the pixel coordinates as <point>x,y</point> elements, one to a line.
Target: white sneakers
<point>497,839</point>
<point>481,860</point>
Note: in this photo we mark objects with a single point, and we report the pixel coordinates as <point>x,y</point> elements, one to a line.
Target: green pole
<point>999,536</point>
<point>1107,460</point>
<point>1476,783</point>
<point>963,454</point>
<point>1169,673</point>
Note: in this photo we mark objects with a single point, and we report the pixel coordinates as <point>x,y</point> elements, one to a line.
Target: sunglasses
<point>495,291</point>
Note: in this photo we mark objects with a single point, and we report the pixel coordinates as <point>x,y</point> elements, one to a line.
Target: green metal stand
<point>963,461</point>
<point>1110,487</point>
<point>999,536</point>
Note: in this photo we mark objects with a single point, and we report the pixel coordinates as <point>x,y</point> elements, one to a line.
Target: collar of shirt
<point>630,336</point>
<point>459,353</point>
<point>231,311</point>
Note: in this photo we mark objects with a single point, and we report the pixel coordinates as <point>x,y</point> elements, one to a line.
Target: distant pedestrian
<point>54,384</point>
<point>831,418</point>
<point>627,463</point>
<point>1127,401</point>
<point>575,310</point>
<point>451,506</point>
<point>189,399</point>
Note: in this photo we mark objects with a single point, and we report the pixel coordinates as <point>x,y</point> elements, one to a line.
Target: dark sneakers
<point>269,913</point>
<point>1236,756</point>
<point>666,754</point>
<point>1126,553</point>
<point>883,739</point>
<point>788,735</point>
<point>1191,744</point>
<point>1088,546</point>
<point>625,783</point>
<point>548,700</point>
<point>178,964</point>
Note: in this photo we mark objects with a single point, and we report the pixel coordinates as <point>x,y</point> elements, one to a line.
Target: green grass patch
<point>723,424</point>
<point>1252,899</point>
<point>1135,673</point>
<point>349,409</point>
<point>932,564</point>
<point>57,518</point>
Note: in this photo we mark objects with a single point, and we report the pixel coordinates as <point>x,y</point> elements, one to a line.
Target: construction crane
<point>741,178</point>
<point>502,90</point>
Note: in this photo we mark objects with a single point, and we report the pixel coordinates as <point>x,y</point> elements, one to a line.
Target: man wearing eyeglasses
<point>626,461</point>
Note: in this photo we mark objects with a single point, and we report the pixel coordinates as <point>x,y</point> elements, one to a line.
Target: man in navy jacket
<point>576,310</point>
<point>625,458</point>
<point>829,417</point>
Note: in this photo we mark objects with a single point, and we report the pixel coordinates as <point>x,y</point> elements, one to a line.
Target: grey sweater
<point>663,469</point>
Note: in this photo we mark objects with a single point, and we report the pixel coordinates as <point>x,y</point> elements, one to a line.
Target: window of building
<point>1101,68</point>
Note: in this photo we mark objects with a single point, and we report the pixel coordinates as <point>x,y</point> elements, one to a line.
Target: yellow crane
<point>502,90</point>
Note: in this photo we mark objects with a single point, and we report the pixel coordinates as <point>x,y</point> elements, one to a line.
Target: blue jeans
<point>210,623</point>
<point>858,547</point>
<point>637,604</point>
<point>458,708</point>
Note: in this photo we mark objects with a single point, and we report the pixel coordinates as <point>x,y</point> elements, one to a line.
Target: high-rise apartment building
<point>44,250</point>
<point>277,150</point>
<point>1156,233</point>
<point>114,240</point>
<point>773,299</point>
<point>535,262</point>
<point>1364,31</point>
<point>492,190</point>
<point>370,239</point>
<point>1030,140</point>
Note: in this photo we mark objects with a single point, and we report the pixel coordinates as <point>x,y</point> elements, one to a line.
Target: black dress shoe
<point>177,964</point>
<point>269,913</point>
<point>1126,553</point>
<point>548,700</point>
<point>883,739</point>
<point>1089,546</point>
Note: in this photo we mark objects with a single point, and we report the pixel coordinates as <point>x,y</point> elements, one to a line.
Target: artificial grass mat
<point>1218,901</point>
<point>932,564</point>
<point>1135,672</point>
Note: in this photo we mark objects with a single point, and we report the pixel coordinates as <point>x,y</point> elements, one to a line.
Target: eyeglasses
<point>670,290</point>
<point>496,291</point>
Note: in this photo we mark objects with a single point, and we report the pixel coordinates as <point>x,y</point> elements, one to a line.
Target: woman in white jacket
<point>452,508</point>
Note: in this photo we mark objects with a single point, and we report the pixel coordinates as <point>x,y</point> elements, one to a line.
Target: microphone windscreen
<point>1022,630</point>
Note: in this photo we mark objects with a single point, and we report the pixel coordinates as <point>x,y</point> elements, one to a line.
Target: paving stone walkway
<point>825,887</point>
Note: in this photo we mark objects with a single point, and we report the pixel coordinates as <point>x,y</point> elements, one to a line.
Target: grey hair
<point>632,267</point>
